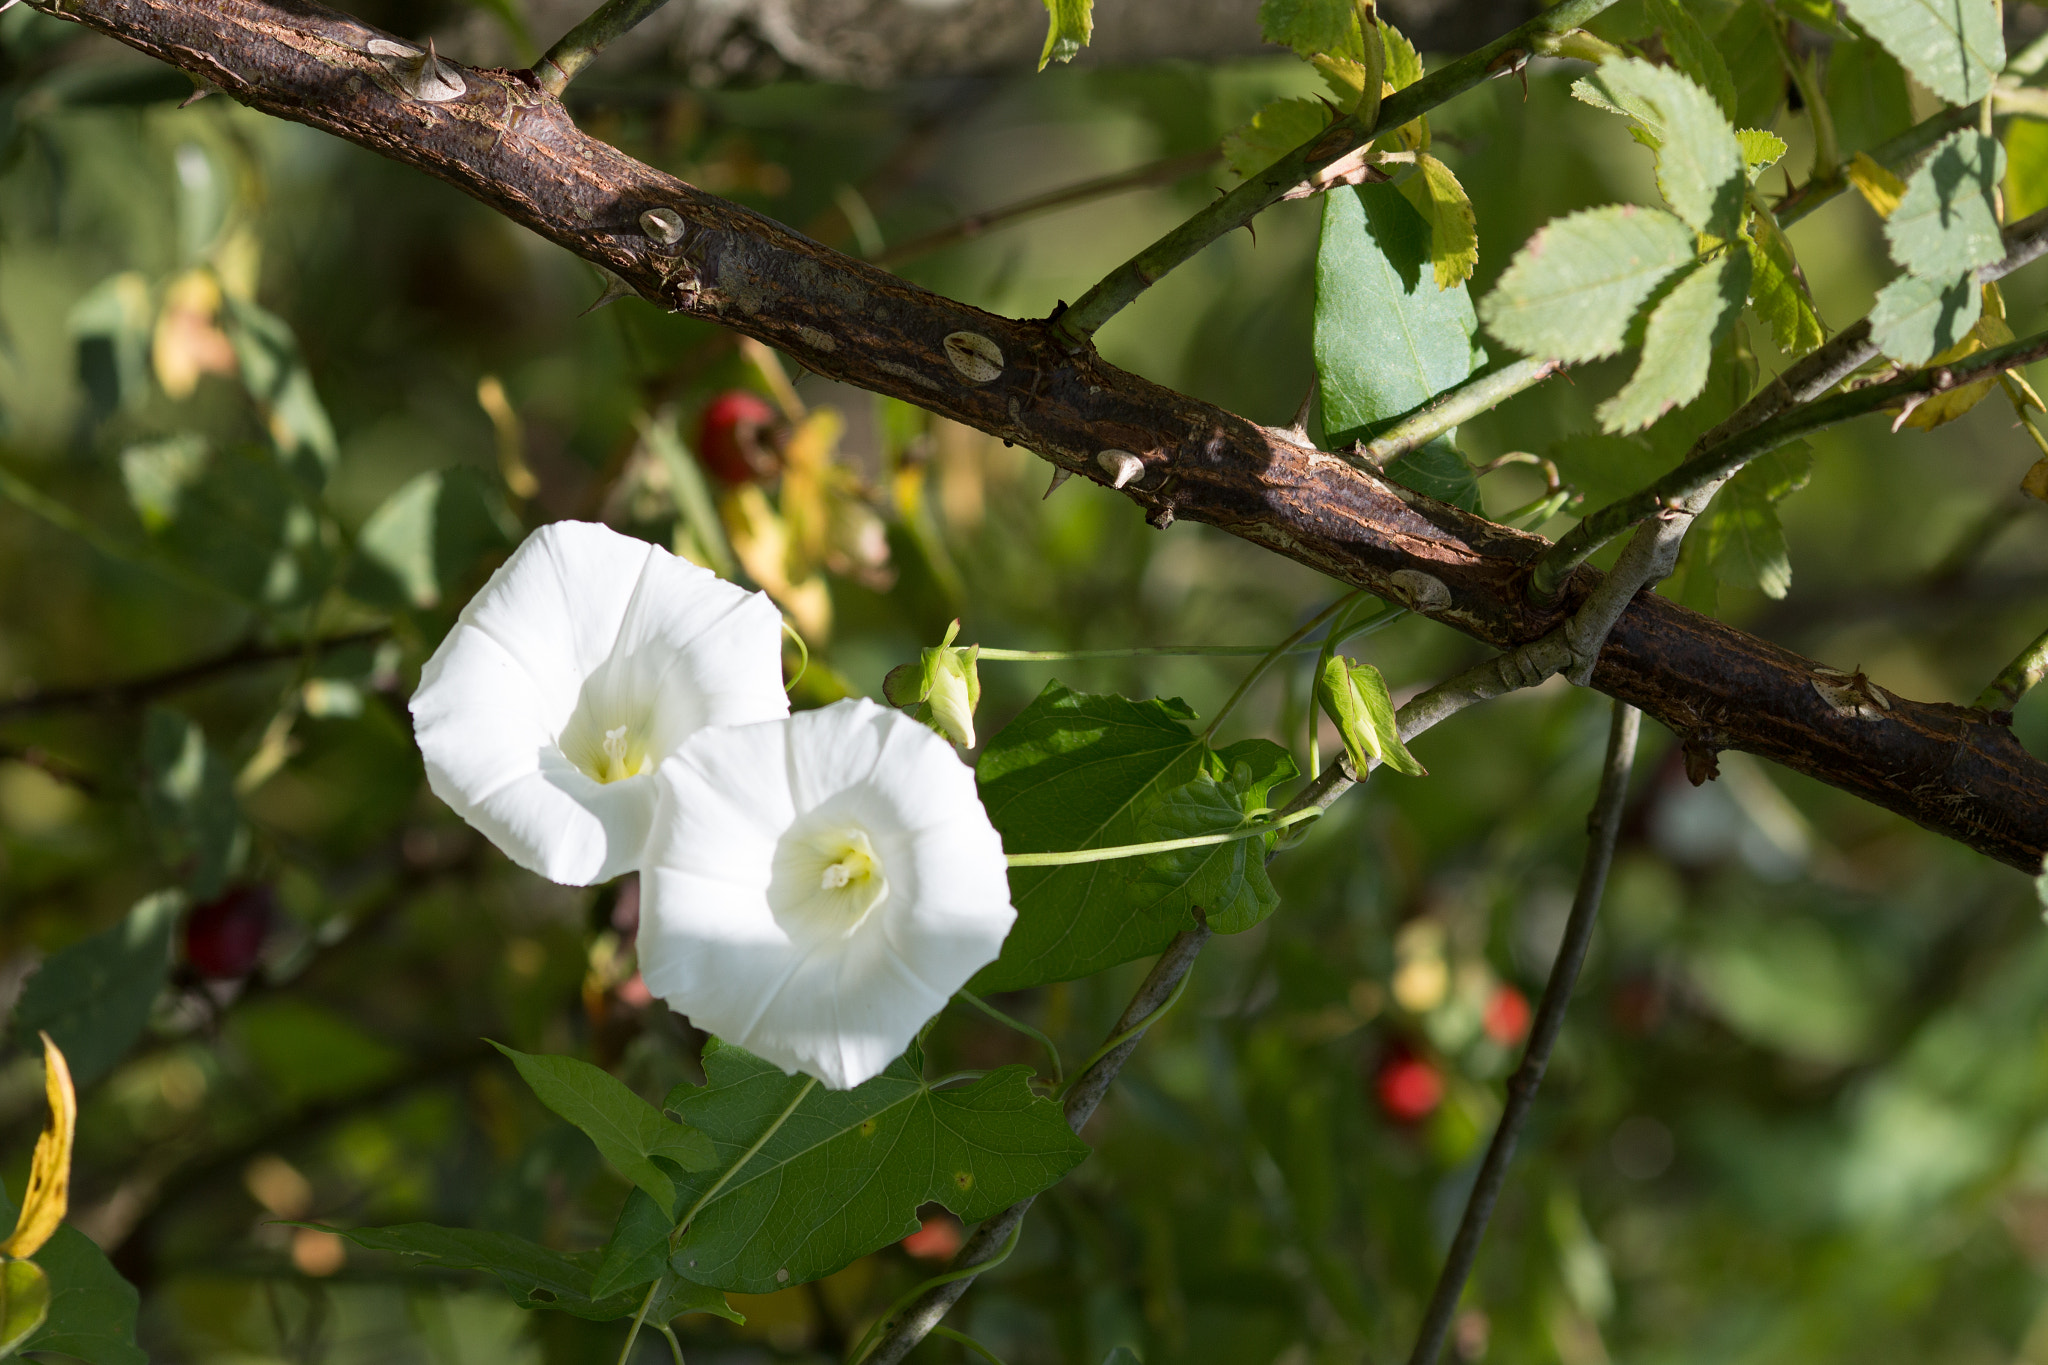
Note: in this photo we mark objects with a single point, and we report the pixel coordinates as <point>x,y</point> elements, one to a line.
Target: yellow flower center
<point>619,754</point>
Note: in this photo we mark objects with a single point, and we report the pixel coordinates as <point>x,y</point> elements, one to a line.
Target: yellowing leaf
<point>49,1172</point>
<point>1878,186</point>
<point>1453,231</point>
<point>1991,330</point>
<point>2035,484</point>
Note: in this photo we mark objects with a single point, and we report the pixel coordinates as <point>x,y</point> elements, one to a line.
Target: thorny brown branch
<point>512,146</point>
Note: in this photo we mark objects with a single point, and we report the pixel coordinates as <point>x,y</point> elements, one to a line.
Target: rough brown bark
<point>1950,769</point>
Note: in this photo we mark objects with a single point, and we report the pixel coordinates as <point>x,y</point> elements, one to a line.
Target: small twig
<point>35,756</point>
<point>1605,827</point>
<point>2017,677</point>
<point>916,1321</point>
<point>119,695</point>
<point>579,47</point>
<point>1260,192</point>
<point>1164,171</point>
<point>1481,393</point>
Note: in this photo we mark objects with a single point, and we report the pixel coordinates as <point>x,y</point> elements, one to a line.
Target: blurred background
<point>271,409</point>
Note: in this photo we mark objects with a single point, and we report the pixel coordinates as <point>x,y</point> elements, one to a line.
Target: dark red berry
<point>224,936</point>
<point>1410,1088</point>
<point>1507,1015</point>
<point>735,438</point>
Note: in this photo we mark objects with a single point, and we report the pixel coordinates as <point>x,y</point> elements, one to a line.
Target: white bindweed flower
<point>818,887</point>
<point>588,658</point>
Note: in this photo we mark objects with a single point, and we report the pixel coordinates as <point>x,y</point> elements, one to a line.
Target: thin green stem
<point>2017,678</point>
<point>1105,855</point>
<point>579,47</point>
<point>633,1333</point>
<point>1481,393</point>
<point>803,651</point>
<point>683,1226</point>
<point>675,1348</point>
<point>953,1334</point>
<point>1259,192</point>
<point>1046,656</point>
<point>874,1333</point>
<point>1180,988</point>
<point>1713,465</point>
<point>1058,1071</point>
<point>1273,655</point>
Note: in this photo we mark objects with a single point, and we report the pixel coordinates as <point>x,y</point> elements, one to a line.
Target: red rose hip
<point>733,437</point>
<point>224,936</point>
<point>1409,1087</point>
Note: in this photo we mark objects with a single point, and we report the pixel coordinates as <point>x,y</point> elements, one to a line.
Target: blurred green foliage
<point>1800,1110</point>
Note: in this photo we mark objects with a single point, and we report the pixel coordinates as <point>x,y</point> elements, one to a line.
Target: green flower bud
<point>941,689</point>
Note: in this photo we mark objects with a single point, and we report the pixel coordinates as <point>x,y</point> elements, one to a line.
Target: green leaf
<point>427,540</point>
<point>1069,25</point>
<point>92,1309</point>
<point>1678,344</point>
<point>1404,64</point>
<point>629,1132</point>
<point>276,376</point>
<point>1354,695</point>
<point>847,1172</point>
<point>1694,53</point>
<point>1073,771</point>
<point>535,1276</point>
<point>1453,231</point>
<point>1751,54</point>
<point>2026,168</point>
<point>1948,220</point>
<point>1387,339</point>
<point>1227,882</point>
<point>246,523</point>
<point>189,794</point>
<point>1570,293</point>
<point>306,1051</point>
<point>1953,47</point>
<point>1915,317</point>
<point>24,1302</point>
<point>1309,26</point>
<point>1743,539</point>
<point>1699,163</point>
<point>1760,150</point>
<point>1778,292</point>
<point>94,997</point>
<point>1273,132</point>
<point>1438,471</point>
<point>157,473</point>
<point>110,326</point>
<point>1867,94</point>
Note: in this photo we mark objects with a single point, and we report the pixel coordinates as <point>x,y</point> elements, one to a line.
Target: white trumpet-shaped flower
<point>818,887</point>
<point>588,658</point>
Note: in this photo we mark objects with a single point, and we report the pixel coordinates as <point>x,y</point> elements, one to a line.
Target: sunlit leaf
<point>1879,187</point>
<point>1069,25</point>
<point>430,538</point>
<point>847,1171</point>
<point>1991,330</point>
<point>1953,47</point>
<point>1308,26</point>
<point>48,1194</point>
<point>628,1131</point>
<point>1778,292</point>
<point>1570,293</point>
<point>1453,232</point>
<point>24,1303</point>
<point>1948,220</point>
<point>1272,133</point>
<point>1354,695</point>
<point>1760,149</point>
<point>2026,168</point>
<point>1678,343</point>
<point>1699,162</point>
<point>1228,881</point>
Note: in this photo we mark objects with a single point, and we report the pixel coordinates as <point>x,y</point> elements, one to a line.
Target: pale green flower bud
<point>942,688</point>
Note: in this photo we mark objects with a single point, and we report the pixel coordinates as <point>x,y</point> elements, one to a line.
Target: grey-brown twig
<point>1605,827</point>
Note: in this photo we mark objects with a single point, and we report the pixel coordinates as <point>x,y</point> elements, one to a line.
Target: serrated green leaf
<point>534,1275</point>
<point>1953,47</point>
<point>1760,149</point>
<point>846,1172</point>
<point>1354,695</point>
<point>1570,293</point>
<point>1272,133</point>
<point>1309,26</point>
<point>1074,771</point>
<point>2026,168</point>
<point>1453,231</point>
<point>1914,317</point>
<point>1699,163</point>
<point>1743,539</point>
<point>629,1132</point>
<point>1777,291</point>
<point>24,1302</point>
<point>1678,343</point>
<point>1068,26</point>
<point>1404,64</point>
<point>1694,53</point>
<point>1745,43</point>
<point>1867,94</point>
<point>1387,339</point>
<point>94,997</point>
<point>1948,220</point>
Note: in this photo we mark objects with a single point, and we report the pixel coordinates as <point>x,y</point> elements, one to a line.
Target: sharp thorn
<point>1059,476</point>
